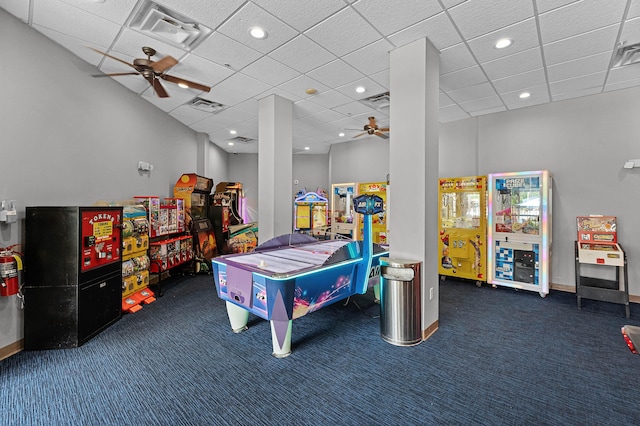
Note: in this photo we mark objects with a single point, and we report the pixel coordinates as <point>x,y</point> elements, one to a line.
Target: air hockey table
<point>292,275</point>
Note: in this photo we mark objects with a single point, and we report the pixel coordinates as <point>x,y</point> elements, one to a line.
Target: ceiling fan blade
<point>164,64</point>
<point>157,87</point>
<point>382,135</point>
<point>112,57</point>
<point>383,129</point>
<point>191,84</point>
<point>114,74</point>
<point>360,134</point>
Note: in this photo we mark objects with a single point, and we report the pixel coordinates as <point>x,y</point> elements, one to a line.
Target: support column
<point>202,161</point>
<point>413,166</point>
<point>275,164</point>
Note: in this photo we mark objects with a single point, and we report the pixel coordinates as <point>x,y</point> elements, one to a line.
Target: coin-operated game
<point>310,214</point>
<point>196,192</point>
<point>292,275</point>
<point>380,219</point>
<point>462,225</point>
<point>343,217</point>
<point>227,214</point>
<point>519,230</point>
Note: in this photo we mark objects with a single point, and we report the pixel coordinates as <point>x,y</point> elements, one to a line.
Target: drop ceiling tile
<point>577,94</point>
<point>302,54</point>
<point>199,70</point>
<point>477,17</point>
<point>326,116</point>
<point>335,73</point>
<point>582,66</point>
<point>539,95</point>
<point>188,115</point>
<point>521,81</point>
<point>225,96</point>
<point>576,84</point>
<point>631,31</point>
<point>130,43</point>
<point>547,5</point>
<point>343,32</point>
<point>18,8</point>
<point>478,91</point>
<point>74,22</point>
<point>226,51</point>
<point>579,17</point>
<point>450,3</point>
<point>301,14</point>
<point>279,92</point>
<point>247,129</point>
<point>514,64</point>
<point>489,110</point>
<point>305,107</point>
<point>330,99</point>
<point>455,58</point>
<point>372,88</point>
<point>462,78</point>
<point>524,35</point>
<point>626,84</point>
<point>372,58</point>
<point>444,100</point>
<point>201,11</point>
<point>250,15</point>
<point>79,47</point>
<point>382,78</point>
<point>270,71</point>
<point>451,113</point>
<point>244,85</point>
<point>626,73</point>
<point>405,13</point>
<point>634,10</point>
<point>299,85</point>
<point>587,44</point>
<point>177,97</point>
<point>438,29</point>
<point>353,108</point>
<point>117,12</point>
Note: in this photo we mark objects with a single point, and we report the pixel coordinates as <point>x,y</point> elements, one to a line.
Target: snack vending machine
<point>519,230</point>
<point>73,263</point>
<point>462,225</point>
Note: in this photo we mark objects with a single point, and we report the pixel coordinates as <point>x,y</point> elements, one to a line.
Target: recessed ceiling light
<point>502,43</point>
<point>306,148</point>
<point>183,85</point>
<point>257,32</point>
<point>341,134</point>
<point>230,143</point>
<point>524,95</point>
<point>360,89</point>
<point>233,132</point>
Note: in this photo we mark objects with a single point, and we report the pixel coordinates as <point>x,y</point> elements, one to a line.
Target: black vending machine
<point>73,274</point>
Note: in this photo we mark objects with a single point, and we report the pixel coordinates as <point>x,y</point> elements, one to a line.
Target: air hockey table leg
<point>281,338</point>
<point>238,317</point>
<point>376,293</point>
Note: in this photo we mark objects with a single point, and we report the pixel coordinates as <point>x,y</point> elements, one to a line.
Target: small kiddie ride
<point>292,275</point>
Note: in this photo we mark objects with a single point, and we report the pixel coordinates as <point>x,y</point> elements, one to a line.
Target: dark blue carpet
<point>500,356</point>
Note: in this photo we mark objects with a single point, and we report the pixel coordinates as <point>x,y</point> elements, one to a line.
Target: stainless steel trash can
<point>400,302</point>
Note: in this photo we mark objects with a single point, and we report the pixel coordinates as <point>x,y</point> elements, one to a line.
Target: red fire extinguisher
<point>10,264</point>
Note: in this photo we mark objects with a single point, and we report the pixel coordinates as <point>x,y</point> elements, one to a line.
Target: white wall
<point>365,159</point>
<point>70,139</point>
<point>311,171</point>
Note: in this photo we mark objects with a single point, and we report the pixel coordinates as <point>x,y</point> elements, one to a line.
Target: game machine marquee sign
<point>519,230</point>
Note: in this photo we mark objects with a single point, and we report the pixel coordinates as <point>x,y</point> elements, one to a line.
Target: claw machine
<point>379,220</point>
<point>73,289</point>
<point>343,217</point>
<point>519,230</point>
<point>462,225</point>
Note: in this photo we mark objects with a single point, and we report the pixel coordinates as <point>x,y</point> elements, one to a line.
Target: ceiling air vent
<point>168,26</point>
<point>207,106</point>
<point>241,140</point>
<point>627,55</point>
<point>379,101</point>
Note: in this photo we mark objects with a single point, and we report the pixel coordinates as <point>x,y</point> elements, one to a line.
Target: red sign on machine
<point>100,238</point>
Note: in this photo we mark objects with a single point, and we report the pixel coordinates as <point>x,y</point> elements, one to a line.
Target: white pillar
<point>202,162</point>
<point>413,166</point>
<point>275,163</point>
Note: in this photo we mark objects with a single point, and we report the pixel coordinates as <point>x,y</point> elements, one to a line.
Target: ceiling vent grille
<point>168,26</point>
<point>377,102</point>
<point>627,55</point>
<point>207,106</point>
<point>241,140</point>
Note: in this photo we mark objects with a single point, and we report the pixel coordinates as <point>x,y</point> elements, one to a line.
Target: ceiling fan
<point>152,71</point>
<point>373,129</point>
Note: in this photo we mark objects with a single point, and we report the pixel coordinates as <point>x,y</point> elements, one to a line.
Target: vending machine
<point>73,274</point>
<point>343,215</point>
<point>462,225</point>
<point>519,230</point>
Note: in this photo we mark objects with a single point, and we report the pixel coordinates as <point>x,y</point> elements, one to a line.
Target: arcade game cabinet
<point>196,192</point>
<point>310,214</point>
<point>224,212</point>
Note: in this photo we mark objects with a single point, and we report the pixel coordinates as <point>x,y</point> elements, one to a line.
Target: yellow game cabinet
<point>462,225</point>
<point>379,221</point>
